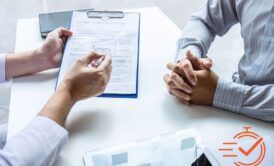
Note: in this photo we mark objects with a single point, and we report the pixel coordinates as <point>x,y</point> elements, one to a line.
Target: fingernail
<point>187,98</point>
<point>188,90</point>
<point>193,82</point>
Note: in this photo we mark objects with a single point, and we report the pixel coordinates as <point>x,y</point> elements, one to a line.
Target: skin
<point>191,80</point>
<point>82,81</point>
<point>46,57</point>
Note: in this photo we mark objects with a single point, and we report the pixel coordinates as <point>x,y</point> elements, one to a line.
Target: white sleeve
<point>2,68</point>
<point>38,144</point>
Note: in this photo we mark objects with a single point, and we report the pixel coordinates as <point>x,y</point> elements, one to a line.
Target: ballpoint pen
<point>99,61</point>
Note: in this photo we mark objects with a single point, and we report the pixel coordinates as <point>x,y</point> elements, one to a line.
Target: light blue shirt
<point>251,90</point>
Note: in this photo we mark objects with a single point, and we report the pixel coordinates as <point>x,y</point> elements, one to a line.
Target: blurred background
<point>225,51</point>
<point>11,10</point>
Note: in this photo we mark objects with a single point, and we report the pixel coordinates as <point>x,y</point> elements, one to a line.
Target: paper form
<point>117,36</point>
<point>176,149</point>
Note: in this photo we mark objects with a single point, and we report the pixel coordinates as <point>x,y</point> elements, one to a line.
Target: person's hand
<point>83,80</point>
<point>182,78</point>
<point>186,67</point>
<point>51,50</point>
<point>203,93</point>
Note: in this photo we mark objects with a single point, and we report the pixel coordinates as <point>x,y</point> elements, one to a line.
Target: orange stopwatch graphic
<point>251,155</point>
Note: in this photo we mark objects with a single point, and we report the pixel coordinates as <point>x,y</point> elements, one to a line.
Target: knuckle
<point>192,76</point>
<point>170,92</point>
<point>185,65</point>
<point>169,83</point>
<point>105,81</point>
<point>182,85</point>
<point>187,97</point>
<point>79,61</point>
<point>100,72</point>
<point>110,59</point>
<point>102,82</point>
<point>176,68</point>
<point>173,76</point>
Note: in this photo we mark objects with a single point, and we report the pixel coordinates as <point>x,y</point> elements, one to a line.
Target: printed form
<point>118,37</point>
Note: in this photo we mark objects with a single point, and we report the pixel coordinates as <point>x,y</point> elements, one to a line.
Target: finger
<point>169,82</point>
<point>180,83</point>
<point>207,63</point>
<point>187,103</point>
<point>106,63</point>
<point>63,32</point>
<point>109,70</point>
<point>89,58</point>
<point>180,94</point>
<point>199,63</point>
<point>66,32</point>
<point>175,68</point>
<point>196,62</point>
<point>188,71</point>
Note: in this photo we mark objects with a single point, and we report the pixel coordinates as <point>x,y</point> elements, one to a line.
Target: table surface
<point>102,122</point>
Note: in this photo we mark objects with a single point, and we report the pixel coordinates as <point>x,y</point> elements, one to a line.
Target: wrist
<point>59,106</point>
<point>41,59</point>
<point>65,89</point>
<point>46,62</point>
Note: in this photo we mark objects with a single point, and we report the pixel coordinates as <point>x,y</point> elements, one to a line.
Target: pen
<point>99,61</point>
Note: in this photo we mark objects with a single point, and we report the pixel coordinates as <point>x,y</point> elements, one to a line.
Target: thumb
<point>63,32</point>
<point>90,57</point>
<point>195,61</point>
<point>207,63</point>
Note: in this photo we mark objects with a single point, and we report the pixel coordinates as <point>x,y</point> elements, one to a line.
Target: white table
<point>103,122</point>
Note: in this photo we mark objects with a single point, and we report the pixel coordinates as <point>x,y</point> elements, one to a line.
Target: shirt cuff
<point>2,68</point>
<point>181,53</point>
<point>229,95</point>
<point>50,126</point>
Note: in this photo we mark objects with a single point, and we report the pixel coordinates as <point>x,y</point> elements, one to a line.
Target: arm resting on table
<point>253,101</point>
<point>41,141</point>
<point>38,144</point>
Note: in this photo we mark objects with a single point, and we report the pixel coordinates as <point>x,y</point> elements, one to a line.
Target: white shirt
<point>3,131</point>
<point>2,68</point>
<point>38,144</point>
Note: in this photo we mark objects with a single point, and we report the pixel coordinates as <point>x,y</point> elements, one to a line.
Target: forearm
<point>196,37</point>
<point>37,144</point>
<point>24,63</point>
<point>254,101</point>
<point>59,106</point>
<point>214,18</point>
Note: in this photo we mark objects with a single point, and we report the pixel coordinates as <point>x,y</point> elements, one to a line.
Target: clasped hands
<point>191,80</point>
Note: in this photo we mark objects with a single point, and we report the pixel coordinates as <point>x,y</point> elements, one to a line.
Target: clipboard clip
<point>105,14</point>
